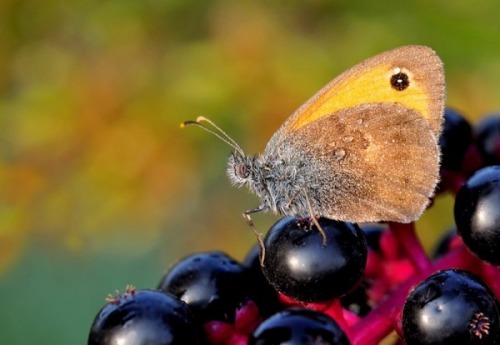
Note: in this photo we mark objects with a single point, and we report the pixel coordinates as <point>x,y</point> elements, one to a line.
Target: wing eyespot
<point>400,81</point>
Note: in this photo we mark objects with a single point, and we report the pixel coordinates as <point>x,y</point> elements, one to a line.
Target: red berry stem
<point>472,160</point>
<point>452,181</point>
<point>217,332</point>
<point>381,320</point>
<point>336,312</point>
<point>238,339</point>
<point>408,240</point>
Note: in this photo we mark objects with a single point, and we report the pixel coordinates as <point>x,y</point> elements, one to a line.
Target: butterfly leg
<point>292,199</point>
<point>314,219</point>
<point>258,235</point>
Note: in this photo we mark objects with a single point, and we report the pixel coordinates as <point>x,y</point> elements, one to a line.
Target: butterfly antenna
<point>235,144</point>
<point>218,132</point>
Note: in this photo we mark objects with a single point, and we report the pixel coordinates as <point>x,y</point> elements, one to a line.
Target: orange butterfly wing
<point>370,82</point>
<point>369,139</point>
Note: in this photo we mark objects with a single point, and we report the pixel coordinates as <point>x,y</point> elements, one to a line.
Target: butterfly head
<point>240,169</point>
<point>240,166</point>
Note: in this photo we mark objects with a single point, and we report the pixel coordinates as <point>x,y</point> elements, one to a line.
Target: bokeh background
<point>99,187</point>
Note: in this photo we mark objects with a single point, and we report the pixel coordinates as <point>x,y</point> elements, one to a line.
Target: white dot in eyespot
<point>396,70</point>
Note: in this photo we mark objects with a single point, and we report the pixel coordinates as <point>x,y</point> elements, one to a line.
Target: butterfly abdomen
<point>291,181</point>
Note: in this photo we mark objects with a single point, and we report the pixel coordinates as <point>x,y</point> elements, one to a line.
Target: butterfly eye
<point>400,81</point>
<point>242,170</point>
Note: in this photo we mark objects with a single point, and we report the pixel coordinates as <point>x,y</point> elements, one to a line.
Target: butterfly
<point>364,148</point>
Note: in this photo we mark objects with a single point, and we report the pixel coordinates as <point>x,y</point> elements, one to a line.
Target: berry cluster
<point>344,284</point>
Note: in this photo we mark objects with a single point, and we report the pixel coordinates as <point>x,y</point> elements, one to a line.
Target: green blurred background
<point>99,187</point>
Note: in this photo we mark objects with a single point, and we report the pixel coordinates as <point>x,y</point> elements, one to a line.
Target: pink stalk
<point>408,240</point>
<point>336,312</point>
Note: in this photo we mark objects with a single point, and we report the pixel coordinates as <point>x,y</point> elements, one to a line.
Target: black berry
<point>357,300</point>
<point>143,317</point>
<point>213,285</point>
<point>454,140</point>
<point>298,265</point>
<point>298,326</point>
<point>487,133</point>
<point>445,243</point>
<point>262,292</point>
<point>451,307</point>
<point>477,214</point>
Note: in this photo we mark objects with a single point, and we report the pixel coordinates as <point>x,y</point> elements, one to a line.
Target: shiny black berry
<point>212,284</point>
<point>299,265</point>
<point>455,140</point>
<point>296,327</point>
<point>357,300</point>
<point>143,317</point>
<point>261,292</point>
<point>445,243</point>
<point>373,233</point>
<point>487,133</point>
<point>451,307</point>
<point>477,214</point>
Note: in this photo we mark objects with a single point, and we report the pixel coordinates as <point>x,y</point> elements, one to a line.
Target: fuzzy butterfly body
<point>363,149</point>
